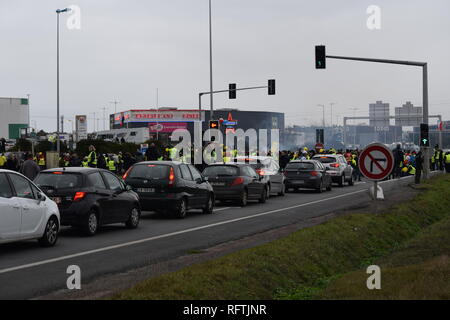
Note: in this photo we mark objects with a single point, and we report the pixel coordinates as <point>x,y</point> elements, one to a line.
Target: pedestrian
<point>447,162</point>
<point>30,169</point>
<point>152,153</point>
<point>419,167</point>
<point>92,157</point>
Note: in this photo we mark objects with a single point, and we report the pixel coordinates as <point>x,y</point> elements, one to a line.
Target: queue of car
<point>88,198</point>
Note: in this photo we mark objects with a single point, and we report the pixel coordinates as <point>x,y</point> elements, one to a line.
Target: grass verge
<point>310,262</point>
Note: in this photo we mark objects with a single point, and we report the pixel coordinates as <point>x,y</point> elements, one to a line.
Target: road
<point>28,271</point>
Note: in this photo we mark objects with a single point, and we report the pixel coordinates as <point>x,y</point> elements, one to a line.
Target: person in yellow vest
<point>92,157</point>
<point>447,162</point>
<point>85,163</point>
<point>2,161</point>
<point>41,161</point>
<point>111,164</point>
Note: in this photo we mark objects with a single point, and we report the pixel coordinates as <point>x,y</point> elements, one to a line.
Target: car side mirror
<point>41,197</point>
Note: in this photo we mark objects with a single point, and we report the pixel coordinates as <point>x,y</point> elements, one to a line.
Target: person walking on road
<point>30,169</point>
<point>419,167</point>
<point>447,162</point>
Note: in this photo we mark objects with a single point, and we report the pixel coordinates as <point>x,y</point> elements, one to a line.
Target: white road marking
<point>127,244</point>
<point>221,209</point>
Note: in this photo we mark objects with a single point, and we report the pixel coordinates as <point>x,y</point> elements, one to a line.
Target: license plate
<point>57,200</point>
<point>218,184</point>
<point>145,190</point>
<point>299,181</point>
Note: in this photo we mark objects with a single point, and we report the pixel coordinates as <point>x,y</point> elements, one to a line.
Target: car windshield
<point>149,171</point>
<point>326,159</point>
<point>215,171</point>
<point>300,166</point>
<point>59,180</point>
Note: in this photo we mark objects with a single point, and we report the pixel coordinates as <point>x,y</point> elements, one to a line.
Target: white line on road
<point>127,244</point>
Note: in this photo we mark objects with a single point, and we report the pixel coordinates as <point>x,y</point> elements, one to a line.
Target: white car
<point>26,213</point>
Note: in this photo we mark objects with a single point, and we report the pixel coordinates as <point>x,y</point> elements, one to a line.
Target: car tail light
<point>314,173</point>
<point>261,172</point>
<point>334,165</point>
<point>171,177</point>
<point>79,196</point>
<point>238,181</point>
<point>126,173</point>
<point>57,173</point>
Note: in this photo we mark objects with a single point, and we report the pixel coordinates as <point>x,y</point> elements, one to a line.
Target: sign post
<point>376,162</point>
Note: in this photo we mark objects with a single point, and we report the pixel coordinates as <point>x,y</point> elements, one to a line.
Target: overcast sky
<point>127,49</point>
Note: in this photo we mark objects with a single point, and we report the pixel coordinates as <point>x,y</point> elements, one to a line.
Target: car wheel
<point>264,193</point>
<point>90,225</point>
<point>244,199</point>
<point>209,209</point>
<point>50,234</point>
<point>182,209</point>
<point>133,219</point>
<point>341,181</point>
<point>283,190</point>
<point>320,189</point>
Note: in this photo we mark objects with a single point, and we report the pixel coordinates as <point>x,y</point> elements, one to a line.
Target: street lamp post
<point>58,143</point>
<point>210,64</point>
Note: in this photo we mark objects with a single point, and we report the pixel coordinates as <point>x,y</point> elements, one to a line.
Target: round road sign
<point>376,162</point>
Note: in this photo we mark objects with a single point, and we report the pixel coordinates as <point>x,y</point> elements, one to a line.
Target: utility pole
<point>354,126</point>
<point>210,64</point>
<point>331,110</point>
<point>115,102</point>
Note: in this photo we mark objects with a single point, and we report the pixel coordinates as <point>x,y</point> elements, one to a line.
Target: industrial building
<point>15,115</point>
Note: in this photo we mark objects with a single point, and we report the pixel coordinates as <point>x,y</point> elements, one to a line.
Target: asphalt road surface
<point>28,271</point>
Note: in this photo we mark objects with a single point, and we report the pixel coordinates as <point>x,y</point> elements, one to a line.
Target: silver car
<point>338,168</point>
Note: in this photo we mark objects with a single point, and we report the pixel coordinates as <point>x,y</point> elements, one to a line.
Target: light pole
<point>331,107</point>
<point>58,11</point>
<point>323,119</point>
<point>210,64</point>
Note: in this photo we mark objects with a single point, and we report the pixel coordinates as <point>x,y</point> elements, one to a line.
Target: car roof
<point>236,164</point>
<point>298,161</point>
<point>328,155</point>
<point>161,162</point>
<point>73,170</point>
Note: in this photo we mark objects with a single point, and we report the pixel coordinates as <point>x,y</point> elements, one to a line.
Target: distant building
<point>379,116</point>
<point>15,114</point>
<point>408,115</point>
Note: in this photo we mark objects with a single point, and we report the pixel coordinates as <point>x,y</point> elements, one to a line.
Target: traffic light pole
<point>424,65</point>
<point>220,91</point>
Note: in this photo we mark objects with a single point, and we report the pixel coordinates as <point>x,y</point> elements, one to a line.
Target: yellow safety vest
<point>2,161</point>
<point>85,164</point>
<point>93,161</point>
<point>41,162</point>
<point>111,165</point>
<point>447,158</point>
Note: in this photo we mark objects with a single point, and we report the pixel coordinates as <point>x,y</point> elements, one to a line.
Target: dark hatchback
<point>237,182</point>
<point>308,174</point>
<point>89,198</point>
<point>170,187</point>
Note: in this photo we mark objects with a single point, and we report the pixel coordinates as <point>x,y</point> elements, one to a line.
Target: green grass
<point>305,264</point>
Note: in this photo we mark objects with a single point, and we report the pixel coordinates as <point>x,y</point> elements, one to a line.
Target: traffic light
<point>271,87</point>
<point>214,124</point>
<point>424,135</point>
<point>232,92</point>
<point>320,57</point>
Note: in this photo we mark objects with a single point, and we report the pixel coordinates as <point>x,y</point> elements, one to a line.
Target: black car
<point>270,170</point>
<point>238,182</point>
<point>89,197</point>
<point>309,174</point>
<point>170,187</point>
